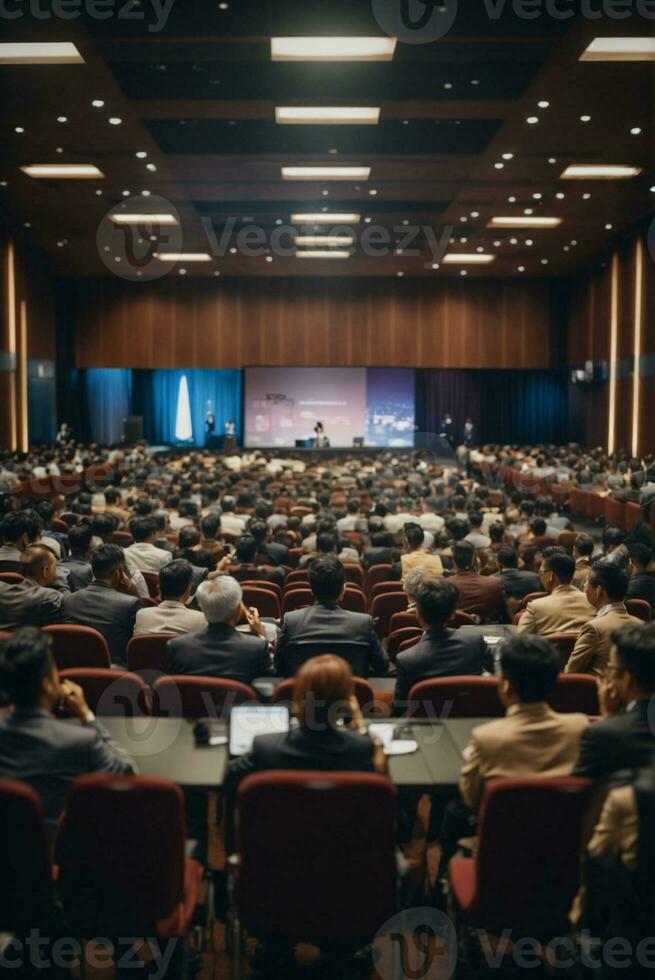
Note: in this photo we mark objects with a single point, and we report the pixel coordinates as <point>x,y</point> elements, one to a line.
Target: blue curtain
<point>155,395</point>
<point>109,397</point>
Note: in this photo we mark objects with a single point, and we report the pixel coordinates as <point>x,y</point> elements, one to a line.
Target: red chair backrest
<point>299,576</point>
<point>111,693</point>
<point>147,653</point>
<point>530,597</point>
<point>122,538</point>
<point>266,603</point>
<point>180,696</point>
<point>639,608</point>
<point>375,574</point>
<point>456,697</point>
<point>615,512</point>
<point>401,620</point>
<point>78,646</point>
<point>354,573</point>
<point>354,600</point>
<point>10,577</point>
<point>566,539</point>
<point>121,854</point>
<point>383,608</point>
<point>633,515</point>
<point>380,588</point>
<point>152,581</point>
<point>263,584</point>
<point>578,501</point>
<point>24,862</point>
<point>563,643</point>
<point>461,618</point>
<point>295,554</point>
<point>59,526</point>
<point>575,692</point>
<point>297,599</point>
<point>534,825</point>
<point>363,692</point>
<point>306,807</point>
<point>396,639</point>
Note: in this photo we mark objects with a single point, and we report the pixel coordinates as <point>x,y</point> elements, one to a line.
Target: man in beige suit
<point>416,556</point>
<point>583,549</point>
<point>531,740</point>
<point>606,588</point>
<point>565,609</point>
<point>172,615</point>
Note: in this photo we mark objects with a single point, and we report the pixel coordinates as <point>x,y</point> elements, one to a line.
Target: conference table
<point>166,748</point>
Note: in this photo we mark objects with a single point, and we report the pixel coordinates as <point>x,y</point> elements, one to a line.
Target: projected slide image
<point>374,406</point>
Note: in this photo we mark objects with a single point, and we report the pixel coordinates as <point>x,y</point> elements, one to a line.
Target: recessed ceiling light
<point>115,120</point>
<point>98,192</point>
<point>521,268</point>
<point>40,53</point>
<point>567,248</point>
<point>19,129</point>
<point>448,85</point>
<point>138,219</point>
<point>320,240</point>
<point>27,224</point>
<point>126,193</point>
<point>529,242</point>
<point>400,273</point>
<point>543,104</point>
<point>326,173</point>
<point>233,251</point>
<point>327,115</point>
<point>320,253</point>
<point>537,196</point>
<point>532,120</point>
<point>98,103</point>
<point>182,272</point>
<point>475,81</point>
<point>145,193</point>
<point>183,256</point>
<point>336,218</point>
<point>497,244</point>
<point>527,211</point>
<point>552,160</point>
<point>499,166</point>
<point>479,249</point>
<point>216,272</point>
<point>512,199</point>
<point>463,272</point>
<point>544,261</point>
<point>463,240</point>
<point>573,242</point>
<point>475,214</point>
<point>463,218</point>
<point>59,149</point>
<point>3,183</point>
<point>367,221</point>
<point>62,119</point>
<point>519,221</point>
<point>465,258</point>
<point>269,258</point>
<point>513,241</point>
<point>80,171</point>
<point>599,171</point>
<point>585,197</point>
<point>508,156</point>
<point>560,196</point>
<point>435,265</point>
<point>151,167</point>
<point>141,154</point>
<point>223,6</point>
<point>608,227</point>
<point>585,119</point>
<point>620,49</point>
<point>325,193</point>
<point>373,192</point>
<point>652,189</point>
<point>635,131</point>
<point>332,48</point>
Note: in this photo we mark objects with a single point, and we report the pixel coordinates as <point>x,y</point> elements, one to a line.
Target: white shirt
<point>170,616</point>
<point>232,523</point>
<point>394,523</point>
<point>147,557</point>
<point>431,521</point>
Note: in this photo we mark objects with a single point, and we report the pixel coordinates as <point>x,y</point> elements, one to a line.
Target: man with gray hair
<point>221,650</point>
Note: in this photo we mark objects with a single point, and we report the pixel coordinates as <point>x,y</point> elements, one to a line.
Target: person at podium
<point>320,440</point>
<point>230,436</point>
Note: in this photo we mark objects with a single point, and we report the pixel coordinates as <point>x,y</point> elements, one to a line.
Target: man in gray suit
<point>36,747</point>
<point>109,604</point>
<point>32,602</point>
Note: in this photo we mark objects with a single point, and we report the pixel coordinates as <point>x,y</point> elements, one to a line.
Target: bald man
<point>32,602</point>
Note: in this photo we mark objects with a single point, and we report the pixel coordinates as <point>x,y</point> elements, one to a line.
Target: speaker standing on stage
<point>468,431</point>
<point>447,428</point>
<point>230,438</point>
<point>321,441</point>
<point>210,424</point>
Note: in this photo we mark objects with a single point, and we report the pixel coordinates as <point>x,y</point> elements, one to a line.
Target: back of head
<point>246,549</point>
<point>45,510</point>
<point>612,538</point>
<point>105,560</point>
<point>188,537</point>
<point>13,527</point>
<point>475,519</point>
<point>414,535</point>
<point>611,577</point>
<point>34,559</point>
<point>507,557</point>
<point>561,564</point>
<point>496,532</point>
<point>458,528</point>
<point>103,524</point>
<point>584,545</point>
<point>326,543</point>
<point>210,525</point>
<point>463,555</point>
<point>79,538</point>
<point>640,553</point>
<point>436,600</point>
<point>412,581</point>
<point>531,665</point>
<point>635,652</point>
<point>175,578</point>
<point>259,531</point>
<point>25,660</point>
<point>219,599</point>
<point>538,526</point>
<point>327,578</point>
<point>34,525</point>
<point>322,686</point>
<point>142,528</point>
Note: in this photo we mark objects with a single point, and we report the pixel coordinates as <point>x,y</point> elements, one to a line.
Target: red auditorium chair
<point>380,588</point>
<point>152,581</point>
<point>399,637</point>
<point>363,692</point>
<point>639,608</point>
<point>578,501</point>
<point>26,893</point>
<point>299,576</point>
<point>298,598</point>
<point>263,584</point>
<point>407,643</point>
<point>633,515</point>
<point>563,643</point>
<point>122,865</point>
<point>111,693</point>
<point>147,653</point>
<point>354,600</point>
<point>354,573</point>
<point>566,540</point>
<point>184,696</point>
<point>270,894</point>
<point>401,620</point>
<point>295,554</point>
<point>614,512</point>
<point>383,608</point>
<point>456,697</point>
<point>461,618</point>
<point>575,692</point>
<point>58,525</point>
<point>11,578</point>
<point>530,597</point>
<point>375,574</point>
<point>122,538</point>
<point>78,646</point>
<point>265,602</point>
<point>526,872</point>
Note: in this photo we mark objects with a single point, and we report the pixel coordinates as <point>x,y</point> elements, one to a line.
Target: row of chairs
<point>586,503</point>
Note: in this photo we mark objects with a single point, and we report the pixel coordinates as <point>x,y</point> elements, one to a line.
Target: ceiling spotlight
<point>475,214</point>
<point>62,119</point>
<point>463,272</point>
<point>560,196</point>
<point>521,268</point>
<point>552,160</point>
<point>145,193</point>
<point>513,241</point>
<point>269,258</point>
<point>19,129</point>
<point>141,154</point>
<point>373,192</point>
<point>182,272</point>
<point>585,119</point>
<point>543,104</point>
<point>544,261</point>
<point>435,265</point>
<point>98,192</point>
<point>400,273</point>
<point>151,167</point>
<point>126,193</point>
<point>115,120</point>
<point>512,199</point>
<point>529,241</point>
<point>532,120</point>
<point>497,244</point>
<point>527,210</point>
<point>608,226</point>
<point>537,196</point>
<point>635,131</point>
<point>585,197</point>
<point>499,166</point>
<point>508,156</point>
<point>98,103</point>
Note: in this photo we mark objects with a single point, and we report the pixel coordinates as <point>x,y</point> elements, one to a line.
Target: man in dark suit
<point>516,582</point>
<point>326,626</point>
<point>624,740</point>
<point>441,652</point>
<point>221,650</point>
<point>32,602</point>
<point>642,582</point>
<point>109,604</point>
<point>77,564</point>
<point>13,532</point>
<point>35,747</point>
<point>480,595</point>
<point>276,554</point>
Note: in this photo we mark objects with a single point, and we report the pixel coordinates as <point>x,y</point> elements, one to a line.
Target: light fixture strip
<point>22,380</point>
<point>327,115</point>
<point>11,337</point>
<point>614,332</point>
<point>638,311</point>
